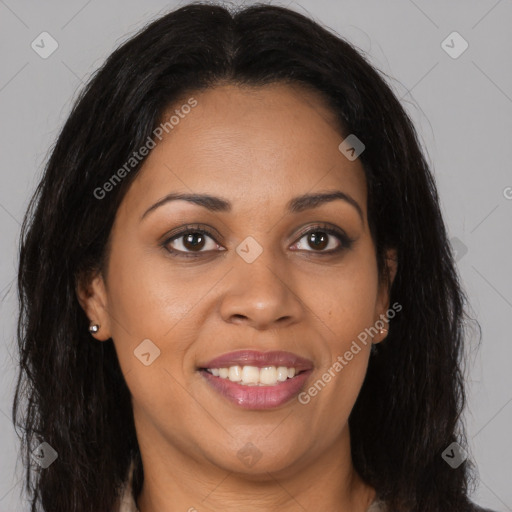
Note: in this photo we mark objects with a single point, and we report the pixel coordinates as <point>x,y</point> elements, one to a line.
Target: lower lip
<point>257,397</point>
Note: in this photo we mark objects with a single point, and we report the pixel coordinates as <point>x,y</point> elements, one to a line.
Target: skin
<point>257,148</point>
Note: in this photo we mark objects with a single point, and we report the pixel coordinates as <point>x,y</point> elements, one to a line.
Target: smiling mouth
<point>260,388</point>
<point>257,380</point>
<point>254,375</point>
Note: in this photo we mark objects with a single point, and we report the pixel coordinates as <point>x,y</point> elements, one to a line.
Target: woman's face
<point>257,291</point>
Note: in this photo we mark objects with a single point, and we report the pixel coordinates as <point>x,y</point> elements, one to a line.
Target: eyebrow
<point>295,205</point>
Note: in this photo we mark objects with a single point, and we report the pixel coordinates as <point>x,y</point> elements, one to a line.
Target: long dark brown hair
<point>71,392</point>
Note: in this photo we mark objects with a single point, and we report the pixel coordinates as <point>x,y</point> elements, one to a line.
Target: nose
<point>261,294</point>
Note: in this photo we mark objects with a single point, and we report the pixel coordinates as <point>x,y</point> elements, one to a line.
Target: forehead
<point>254,145</point>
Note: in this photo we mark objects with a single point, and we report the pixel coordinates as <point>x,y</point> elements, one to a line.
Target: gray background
<point>462,108</point>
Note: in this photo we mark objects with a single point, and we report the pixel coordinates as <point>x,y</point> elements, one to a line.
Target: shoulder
<point>377,506</point>
<point>380,506</point>
<point>476,508</point>
<point>126,502</point>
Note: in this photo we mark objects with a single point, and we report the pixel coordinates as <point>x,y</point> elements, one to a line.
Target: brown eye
<point>318,240</point>
<point>193,241</point>
<point>323,240</point>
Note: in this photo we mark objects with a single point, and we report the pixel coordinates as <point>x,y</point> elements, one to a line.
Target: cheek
<point>153,298</point>
<point>149,294</point>
<point>344,299</point>
<point>344,302</point>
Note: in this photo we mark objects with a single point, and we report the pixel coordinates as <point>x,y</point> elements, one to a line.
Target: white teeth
<point>235,373</point>
<point>268,375</point>
<point>250,375</point>
<point>282,373</point>
<point>254,376</point>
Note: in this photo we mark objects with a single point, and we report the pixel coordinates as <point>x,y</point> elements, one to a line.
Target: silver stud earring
<point>382,331</point>
<point>94,328</point>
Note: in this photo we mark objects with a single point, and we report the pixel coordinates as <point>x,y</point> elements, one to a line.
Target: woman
<point>236,287</point>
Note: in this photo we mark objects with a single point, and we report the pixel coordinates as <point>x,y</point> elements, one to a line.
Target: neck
<point>328,482</point>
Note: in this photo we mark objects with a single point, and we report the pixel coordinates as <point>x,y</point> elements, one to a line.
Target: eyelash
<point>345,241</point>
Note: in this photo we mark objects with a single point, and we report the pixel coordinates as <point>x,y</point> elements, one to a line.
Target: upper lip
<point>260,360</point>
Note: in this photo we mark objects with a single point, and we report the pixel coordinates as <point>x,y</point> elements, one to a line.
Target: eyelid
<point>192,228</point>
<point>344,240</point>
<point>325,226</point>
<point>176,234</point>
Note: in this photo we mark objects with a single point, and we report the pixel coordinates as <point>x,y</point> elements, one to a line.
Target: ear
<point>387,279</point>
<point>92,296</point>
